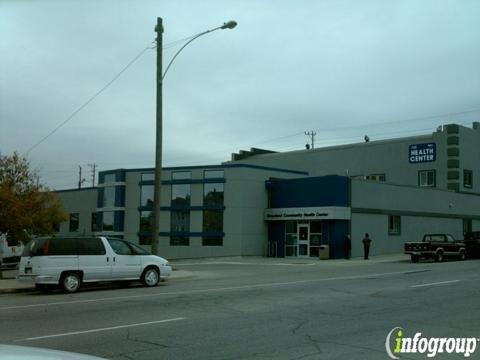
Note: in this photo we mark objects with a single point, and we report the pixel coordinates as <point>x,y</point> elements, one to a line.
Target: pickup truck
<point>472,244</point>
<point>10,251</point>
<point>436,246</point>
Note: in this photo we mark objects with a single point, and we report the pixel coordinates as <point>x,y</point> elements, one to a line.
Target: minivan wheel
<point>70,282</point>
<point>462,255</point>
<point>151,277</point>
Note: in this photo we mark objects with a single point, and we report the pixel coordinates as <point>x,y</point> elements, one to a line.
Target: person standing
<point>366,246</point>
<point>348,246</point>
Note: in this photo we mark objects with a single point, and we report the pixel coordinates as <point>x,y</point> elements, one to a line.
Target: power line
<point>89,100</point>
<point>167,46</point>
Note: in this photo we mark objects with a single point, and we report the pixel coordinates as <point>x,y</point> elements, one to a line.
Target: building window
<point>108,221</point>
<point>291,238</point>
<point>109,196</point>
<point>93,228</point>
<point>146,218</point>
<point>56,227</point>
<point>181,175</point>
<point>375,177</point>
<point>426,178</point>
<point>109,178</point>
<point>394,225</point>
<point>467,226</point>
<point>148,176</point>
<point>212,241</point>
<point>74,220</point>
<point>179,223</point>
<point>315,237</point>
<point>145,239</point>
<point>213,194</point>
<point>146,197</point>
<point>213,174</point>
<point>467,178</point>
<point>181,194</point>
<point>212,222</point>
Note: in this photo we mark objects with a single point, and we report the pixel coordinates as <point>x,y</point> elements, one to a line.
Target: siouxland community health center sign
<point>422,153</point>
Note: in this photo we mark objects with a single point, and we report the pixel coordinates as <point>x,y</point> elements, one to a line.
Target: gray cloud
<point>344,68</point>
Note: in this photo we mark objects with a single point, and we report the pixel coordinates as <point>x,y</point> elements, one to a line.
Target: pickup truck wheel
<point>461,255</point>
<point>439,256</point>
<point>70,282</point>
<point>415,258</point>
<point>150,277</point>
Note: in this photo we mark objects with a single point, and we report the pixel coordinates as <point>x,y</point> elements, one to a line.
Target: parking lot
<point>254,309</point>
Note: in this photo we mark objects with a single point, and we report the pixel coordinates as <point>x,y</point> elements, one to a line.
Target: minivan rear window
<point>61,246</point>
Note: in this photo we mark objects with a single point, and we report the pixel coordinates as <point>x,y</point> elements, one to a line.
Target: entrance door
<point>303,240</point>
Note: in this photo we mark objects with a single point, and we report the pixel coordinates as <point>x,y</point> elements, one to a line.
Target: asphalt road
<point>328,310</point>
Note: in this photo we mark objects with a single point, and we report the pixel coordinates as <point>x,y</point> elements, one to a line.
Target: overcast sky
<point>342,68</point>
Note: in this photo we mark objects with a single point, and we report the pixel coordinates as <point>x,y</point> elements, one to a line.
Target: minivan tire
<point>150,277</point>
<point>70,282</point>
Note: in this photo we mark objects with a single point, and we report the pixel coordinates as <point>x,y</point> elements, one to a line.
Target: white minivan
<point>70,261</point>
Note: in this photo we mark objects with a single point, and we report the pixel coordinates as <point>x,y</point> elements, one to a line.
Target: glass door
<point>303,240</point>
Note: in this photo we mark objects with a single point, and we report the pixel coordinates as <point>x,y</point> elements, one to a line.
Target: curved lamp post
<point>158,147</point>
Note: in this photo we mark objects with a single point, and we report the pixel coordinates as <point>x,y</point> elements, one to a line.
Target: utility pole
<point>93,167</point>
<point>311,135</point>
<point>158,141</point>
<point>80,180</point>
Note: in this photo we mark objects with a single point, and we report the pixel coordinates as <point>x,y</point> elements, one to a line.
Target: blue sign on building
<point>421,153</point>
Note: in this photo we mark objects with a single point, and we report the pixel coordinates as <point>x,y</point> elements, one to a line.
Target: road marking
<point>200,291</point>
<point>102,329</point>
<point>436,283</point>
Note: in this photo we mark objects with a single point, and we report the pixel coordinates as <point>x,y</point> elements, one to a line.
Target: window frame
<point>70,227</point>
<point>468,175</point>
<point>393,225</point>
<point>210,202</point>
<point>426,172</point>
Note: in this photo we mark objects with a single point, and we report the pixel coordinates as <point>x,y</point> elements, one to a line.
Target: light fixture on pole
<point>158,142</point>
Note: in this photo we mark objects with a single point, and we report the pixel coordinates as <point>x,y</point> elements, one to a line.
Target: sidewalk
<point>260,260</point>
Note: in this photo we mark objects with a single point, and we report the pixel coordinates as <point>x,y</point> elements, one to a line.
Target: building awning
<point>308,213</point>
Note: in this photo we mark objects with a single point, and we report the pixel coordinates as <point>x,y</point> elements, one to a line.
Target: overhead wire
<point>108,84</point>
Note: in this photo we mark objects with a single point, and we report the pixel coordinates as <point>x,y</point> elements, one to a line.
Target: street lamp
<point>158,142</point>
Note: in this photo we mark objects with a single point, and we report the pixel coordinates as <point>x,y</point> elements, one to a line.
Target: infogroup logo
<point>397,343</point>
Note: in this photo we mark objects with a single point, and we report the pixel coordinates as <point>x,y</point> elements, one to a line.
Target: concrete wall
<point>389,157</point>
<point>421,211</point>
<point>84,202</point>
<point>245,199</point>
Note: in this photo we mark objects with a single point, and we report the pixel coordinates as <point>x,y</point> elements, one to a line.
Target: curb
<point>17,290</point>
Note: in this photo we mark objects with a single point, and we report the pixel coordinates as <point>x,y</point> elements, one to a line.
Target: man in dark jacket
<point>366,246</point>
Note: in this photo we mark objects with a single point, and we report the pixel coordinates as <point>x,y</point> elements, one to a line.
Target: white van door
<point>126,264</point>
<point>94,260</point>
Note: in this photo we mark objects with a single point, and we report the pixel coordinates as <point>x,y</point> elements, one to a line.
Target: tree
<point>26,207</point>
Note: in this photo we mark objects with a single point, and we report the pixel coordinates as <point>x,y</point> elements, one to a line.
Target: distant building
<point>294,203</point>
